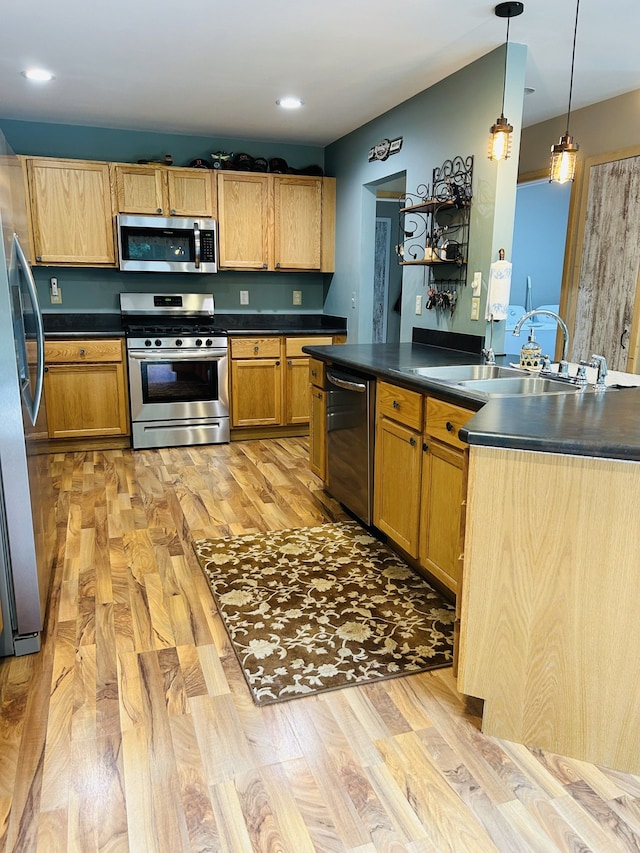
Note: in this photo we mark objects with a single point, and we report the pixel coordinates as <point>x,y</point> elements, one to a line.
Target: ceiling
<point>216,69</point>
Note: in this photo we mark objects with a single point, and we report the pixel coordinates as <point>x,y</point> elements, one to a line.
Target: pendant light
<point>565,153</point>
<point>500,132</point>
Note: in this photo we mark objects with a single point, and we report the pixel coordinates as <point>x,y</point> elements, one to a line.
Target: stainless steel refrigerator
<point>27,518</point>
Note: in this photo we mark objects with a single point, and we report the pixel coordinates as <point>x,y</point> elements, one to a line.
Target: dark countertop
<point>68,325</point>
<point>605,424</point>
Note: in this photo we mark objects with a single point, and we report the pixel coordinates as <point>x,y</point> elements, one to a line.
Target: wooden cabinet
<point>270,380</point>
<point>71,220</point>
<point>397,464</point>
<point>164,190</point>
<point>420,479</point>
<point>85,388</point>
<point>318,422</point>
<point>276,222</point>
<point>443,492</point>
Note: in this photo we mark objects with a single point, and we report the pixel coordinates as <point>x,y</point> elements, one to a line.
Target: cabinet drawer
<point>78,351</point>
<point>399,404</point>
<point>294,346</point>
<point>255,347</point>
<point>316,372</point>
<point>443,420</point>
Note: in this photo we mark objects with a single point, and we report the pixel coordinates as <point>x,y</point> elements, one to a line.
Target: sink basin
<point>511,385</point>
<point>457,373</point>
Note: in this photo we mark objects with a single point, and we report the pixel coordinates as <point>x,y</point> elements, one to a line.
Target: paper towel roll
<point>498,290</point>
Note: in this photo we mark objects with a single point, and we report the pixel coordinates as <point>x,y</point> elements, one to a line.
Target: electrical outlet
<point>244,297</point>
<point>56,292</point>
<point>419,304</point>
<point>297,297</point>
<point>353,299</point>
<point>475,308</point>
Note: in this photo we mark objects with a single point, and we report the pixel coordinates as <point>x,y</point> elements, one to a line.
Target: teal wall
<point>88,289</point>
<point>451,118</point>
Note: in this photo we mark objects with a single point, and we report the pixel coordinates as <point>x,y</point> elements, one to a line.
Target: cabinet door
<point>191,192</point>
<point>318,433</point>
<point>256,392</point>
<point>86,400</point>
<point>297,222</point>
<point>442,511</point>
<point>243,220</point>
<point>397,483</point>
<point>140,189</point>
<point>297,395</point>
<point>71,217</point>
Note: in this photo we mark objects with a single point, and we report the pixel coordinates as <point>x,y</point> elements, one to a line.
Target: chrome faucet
<point>487,352</point>
<point>563,368</point>
<point>600,363</point>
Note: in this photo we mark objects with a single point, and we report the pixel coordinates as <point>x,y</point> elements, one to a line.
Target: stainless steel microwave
<point>167,244</point>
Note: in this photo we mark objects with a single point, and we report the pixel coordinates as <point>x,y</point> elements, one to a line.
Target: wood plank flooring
<point>133,729</point>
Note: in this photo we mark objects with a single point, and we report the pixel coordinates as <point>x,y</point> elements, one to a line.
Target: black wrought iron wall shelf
<point>434,228</point>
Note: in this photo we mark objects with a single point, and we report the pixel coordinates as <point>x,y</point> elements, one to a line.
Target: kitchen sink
<point>457,373</point>
<point>512,385</point>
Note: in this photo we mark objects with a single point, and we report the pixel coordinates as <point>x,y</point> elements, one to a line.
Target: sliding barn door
<point>609,239</point>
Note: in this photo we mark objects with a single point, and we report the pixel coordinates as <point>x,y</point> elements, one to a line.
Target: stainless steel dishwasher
<point>350,437</point>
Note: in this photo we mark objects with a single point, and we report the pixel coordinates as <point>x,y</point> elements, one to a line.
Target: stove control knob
<point>198,343</point>
<point>179,342</point>
<point>147,343</point>
<point>158,342</point>
<point>209,342</point>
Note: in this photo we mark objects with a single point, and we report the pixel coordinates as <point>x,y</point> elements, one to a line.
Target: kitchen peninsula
<point>549,634</point>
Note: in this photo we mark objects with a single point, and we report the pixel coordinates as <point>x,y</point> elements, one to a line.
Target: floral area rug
<point>316,608</point>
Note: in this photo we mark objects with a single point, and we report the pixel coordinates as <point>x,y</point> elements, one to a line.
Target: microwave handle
<point>196,243</point>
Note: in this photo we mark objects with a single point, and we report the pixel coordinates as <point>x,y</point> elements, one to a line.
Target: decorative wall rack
<point>434,230</point>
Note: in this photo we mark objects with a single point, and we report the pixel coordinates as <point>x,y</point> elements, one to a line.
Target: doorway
<point>387,274</point>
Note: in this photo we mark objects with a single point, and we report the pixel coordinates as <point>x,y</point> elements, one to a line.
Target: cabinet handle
<point>314,374</point>
<point>412,441</point>
<point>158,210</point>
<point>38,258</point>
<point>278,265</point>
<point>396,404</point>
<point>81,352</point>
<point>277,364</point>
<point>173,212</point>
<point>264,266</point>
<point>290,363</point>
<point>256,349</point>
<point>425,446</point>
<point>450,426</point>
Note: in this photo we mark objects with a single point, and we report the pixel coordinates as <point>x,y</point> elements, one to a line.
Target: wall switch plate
<point>476,286</point>
<point>419,304</point>
<point>297,297</point>
<point>353,299</point>
<point>475,307</point>
<point>244,297</point>
<point>56,292</point>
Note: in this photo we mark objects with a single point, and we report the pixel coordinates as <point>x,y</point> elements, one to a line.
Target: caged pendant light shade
<point>500,132</point>
<point>565,154</point>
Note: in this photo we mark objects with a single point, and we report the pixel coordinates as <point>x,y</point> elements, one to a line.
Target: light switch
<point>419,304</point>
<point>476,286</point>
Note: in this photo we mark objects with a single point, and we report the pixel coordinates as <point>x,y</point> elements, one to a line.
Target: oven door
<point>178,384</point>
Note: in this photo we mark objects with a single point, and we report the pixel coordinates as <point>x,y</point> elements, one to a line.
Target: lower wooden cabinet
<point>85,388</point>
<point>270,381</point>
<point>420,479</point>
<point>318,422</point>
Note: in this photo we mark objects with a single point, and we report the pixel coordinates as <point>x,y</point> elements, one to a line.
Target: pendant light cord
<point>573,58</point>
<point>506,54</point>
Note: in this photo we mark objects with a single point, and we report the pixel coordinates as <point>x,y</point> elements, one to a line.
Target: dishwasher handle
<point>360,387</point>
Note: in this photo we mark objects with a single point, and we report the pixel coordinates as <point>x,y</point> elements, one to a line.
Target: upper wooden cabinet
<point>276,222</point>
<point>71,220</point>
<point>163,190</point>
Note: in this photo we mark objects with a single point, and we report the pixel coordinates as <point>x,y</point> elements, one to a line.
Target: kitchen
<point>276,772</point>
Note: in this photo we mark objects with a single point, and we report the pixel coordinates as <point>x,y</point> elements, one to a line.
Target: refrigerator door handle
<point>33,400</point>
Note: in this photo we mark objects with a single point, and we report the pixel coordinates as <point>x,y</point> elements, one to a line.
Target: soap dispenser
<point>531,353</point>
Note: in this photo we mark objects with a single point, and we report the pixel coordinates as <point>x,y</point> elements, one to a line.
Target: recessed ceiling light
<point>40,75</point>
<point>289,102</point>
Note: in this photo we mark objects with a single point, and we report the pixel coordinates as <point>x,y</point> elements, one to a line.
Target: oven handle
<point>204,355</point>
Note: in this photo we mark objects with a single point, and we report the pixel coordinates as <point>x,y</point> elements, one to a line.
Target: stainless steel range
<point>178,369</point>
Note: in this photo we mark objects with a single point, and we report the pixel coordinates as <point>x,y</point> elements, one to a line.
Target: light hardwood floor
<point>133,728</point>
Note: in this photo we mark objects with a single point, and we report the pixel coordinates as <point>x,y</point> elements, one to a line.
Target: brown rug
<point>316,608</point>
